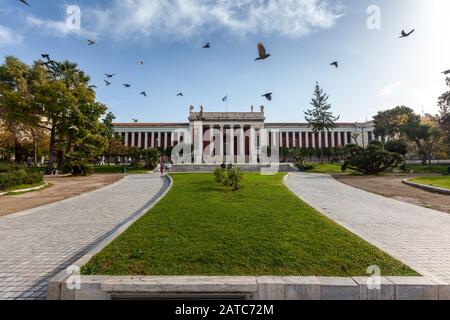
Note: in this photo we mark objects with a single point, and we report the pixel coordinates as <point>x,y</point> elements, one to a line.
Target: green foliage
<point>231,177</point>
<point>303,165</point>
<point>398,146</point>
<point>319,117</point>
<point>11,176</point>
<point>371,160</point>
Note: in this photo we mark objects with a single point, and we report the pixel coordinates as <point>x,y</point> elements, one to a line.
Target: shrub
<point>231,177</point>
<point>302,165</point>
<point>371,160</point>
<point>15,178</point>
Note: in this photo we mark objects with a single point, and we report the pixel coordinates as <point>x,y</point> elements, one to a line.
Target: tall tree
<point>444,114</point>
<point>388,123</point>
<point>319,117</point>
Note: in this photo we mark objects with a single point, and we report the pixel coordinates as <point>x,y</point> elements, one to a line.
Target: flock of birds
<point>262,55</point>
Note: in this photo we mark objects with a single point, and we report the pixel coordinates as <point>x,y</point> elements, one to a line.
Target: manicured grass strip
<point>328,168</point>
<point>201,229</point>
<point>440,182</point>
<point>118,169</point>
<point>438,169</point>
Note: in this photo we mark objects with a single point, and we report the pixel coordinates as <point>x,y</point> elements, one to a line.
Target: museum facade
<point>238,137</point>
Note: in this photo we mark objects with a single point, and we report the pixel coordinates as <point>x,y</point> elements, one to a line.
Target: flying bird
<point>107,83</point>
<point>144,94</point>
<point>45,56</point>
<point>92,87</point>
<point>135,120</point>
<point>25,2</point>
<point>262,52</point>
<point>91,42</point>
<point>110,75</point>
<point>126,85</point>
<point>140,62</point>
<point>404,34</point>
<point>180,94</point>
<point>207,46</point>
<point>335,63</point>
<point>268,96</point>
<point>446,72</point>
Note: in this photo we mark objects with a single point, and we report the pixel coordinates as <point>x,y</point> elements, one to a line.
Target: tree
<point>319,117</point>
<point>444,115</point>
<point>388,123</point>
<point>370,160</point>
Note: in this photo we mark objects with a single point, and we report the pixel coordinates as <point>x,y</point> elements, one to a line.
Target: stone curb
<point>25,190</point>
<point>427,188</point>
<point>254,288</point>
<point>57,283</point>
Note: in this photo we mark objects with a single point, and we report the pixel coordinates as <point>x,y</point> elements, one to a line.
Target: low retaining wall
<point>25,190</point>
<point>426,188</point>
<point>245,288</point>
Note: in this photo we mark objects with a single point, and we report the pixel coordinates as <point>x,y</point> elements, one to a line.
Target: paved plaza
<point>37,244</point>
<point>417,236</point>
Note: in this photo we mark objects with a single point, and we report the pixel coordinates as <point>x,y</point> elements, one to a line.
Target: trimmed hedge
<point>12,176</point>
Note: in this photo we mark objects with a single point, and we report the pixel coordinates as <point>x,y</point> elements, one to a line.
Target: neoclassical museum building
<point>238,136</point>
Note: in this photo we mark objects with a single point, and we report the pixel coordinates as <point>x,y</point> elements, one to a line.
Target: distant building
<point>248,129</point>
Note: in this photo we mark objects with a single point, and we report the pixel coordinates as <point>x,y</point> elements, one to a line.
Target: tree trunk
<point>51,160</point>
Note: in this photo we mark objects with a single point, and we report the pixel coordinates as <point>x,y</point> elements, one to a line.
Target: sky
<point>377,70</point>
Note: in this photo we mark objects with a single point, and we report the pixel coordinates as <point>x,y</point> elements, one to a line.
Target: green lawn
<point>438,169</point>
<point>201,229</point>
<point>441,181</point>
<point>328,168</point>
<point>118,169</point>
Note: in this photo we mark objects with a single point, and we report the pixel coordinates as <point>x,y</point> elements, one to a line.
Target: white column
<point>126,139</point>
<point>211,140</point>
<point>307,139</point>
<point>345,138</point>
<point>313,136</point>
<point>166,144</point>
<point>332,139</point>
<point>230,144</point>
<point>294,139</point>
<point>198,142</point>
<point>253,151</point>
<point>152,140</point>
<point>139,139</point>
<point>221,152</point>
<point>241,156</point>
<point>339,142</point>
<point>133,138</point>
<point>146,140</point>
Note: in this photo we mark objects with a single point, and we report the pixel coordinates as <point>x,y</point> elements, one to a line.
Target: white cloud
<point>185,18</point>
<point>387,91</point>
<point>59,28</point>
<point>9,37</point>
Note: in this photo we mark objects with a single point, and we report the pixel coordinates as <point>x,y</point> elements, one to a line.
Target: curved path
<point>417,236</point>
<point>37,244</point>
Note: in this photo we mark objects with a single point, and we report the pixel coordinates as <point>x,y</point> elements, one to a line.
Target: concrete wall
<point>247,288</point>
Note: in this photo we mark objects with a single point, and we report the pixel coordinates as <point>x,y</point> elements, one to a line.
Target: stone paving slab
<point>417,236</point>
<point>37,244</point>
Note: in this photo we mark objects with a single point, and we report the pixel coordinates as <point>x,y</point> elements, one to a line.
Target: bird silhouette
<point>140,62</point>
<point>25,2</point>
<point>180,94</point>
<point>110,75</point>
<point>207,46</point>
<point>446,72</point>
<point>404,34</point>
<point>335,63</point>
<point>45,56</point>
<point>126,85</point>
<point>268,96</point>
<point>144,94</point>
<point>263,55</point>
<point>91,42</point>
<point>107,83</point>
<point>92,87</point>
<point>135,120</point>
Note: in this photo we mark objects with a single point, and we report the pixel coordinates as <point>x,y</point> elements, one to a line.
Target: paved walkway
<point>37,244</point>
<point>417,236</point>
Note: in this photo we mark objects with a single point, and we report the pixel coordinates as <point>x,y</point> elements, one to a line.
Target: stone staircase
<point>283,167</point>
